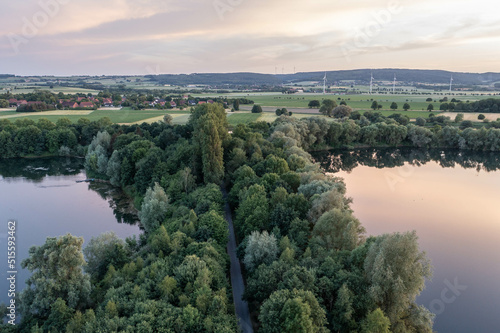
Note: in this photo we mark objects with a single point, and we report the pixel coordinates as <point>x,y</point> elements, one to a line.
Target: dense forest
<point>308,264</point>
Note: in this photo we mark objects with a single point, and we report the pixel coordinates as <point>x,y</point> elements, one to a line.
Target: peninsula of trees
<point>308,263</point>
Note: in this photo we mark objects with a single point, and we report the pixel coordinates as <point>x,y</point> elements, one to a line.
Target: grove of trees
<point>309,265</point>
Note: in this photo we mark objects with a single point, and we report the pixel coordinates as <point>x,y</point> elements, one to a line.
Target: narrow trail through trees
<point>238,286</point>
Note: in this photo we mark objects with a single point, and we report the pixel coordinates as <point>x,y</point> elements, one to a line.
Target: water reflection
<point>450,198</point>
<point>347,160</point>
<point>122,206</point>
<point>37,169</point>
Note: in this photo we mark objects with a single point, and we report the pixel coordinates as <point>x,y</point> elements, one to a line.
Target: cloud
<point>127,36</point>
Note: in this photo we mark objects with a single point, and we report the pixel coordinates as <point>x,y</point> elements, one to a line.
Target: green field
<point>357,102</point>
<point>242,118</point>
<point>124,115</point>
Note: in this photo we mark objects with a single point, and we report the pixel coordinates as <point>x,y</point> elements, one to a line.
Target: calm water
<point>452,200</point>
<point>43,197</point>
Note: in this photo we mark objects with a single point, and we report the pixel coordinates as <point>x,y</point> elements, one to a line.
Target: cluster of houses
<point>68,104</point>
<point>15,103</point>
<point>79,103</point>
<point>173,104</point>
<point>92,102</point>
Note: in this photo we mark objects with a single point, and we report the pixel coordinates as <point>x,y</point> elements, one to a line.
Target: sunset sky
<point>71,37</point>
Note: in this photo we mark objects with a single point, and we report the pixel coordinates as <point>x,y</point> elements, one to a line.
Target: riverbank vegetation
<point>309,265</point>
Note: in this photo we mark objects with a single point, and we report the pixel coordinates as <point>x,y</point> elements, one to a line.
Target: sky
<point>141,37</point>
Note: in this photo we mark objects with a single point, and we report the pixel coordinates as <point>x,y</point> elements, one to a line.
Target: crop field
<point>57,89</point>
<point>357,102</point>
<point>123,116</point>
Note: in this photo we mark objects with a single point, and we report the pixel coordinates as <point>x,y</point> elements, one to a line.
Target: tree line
<point>174,276</point>
<point>308,263</point>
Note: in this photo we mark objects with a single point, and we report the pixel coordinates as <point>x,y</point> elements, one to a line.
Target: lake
<point>43,197</point>
<point>452,200</point>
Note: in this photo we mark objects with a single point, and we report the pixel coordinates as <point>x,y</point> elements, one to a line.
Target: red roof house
<point>86,105</point>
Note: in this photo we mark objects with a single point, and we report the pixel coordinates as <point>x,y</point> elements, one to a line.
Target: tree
<point>56,272</point>
<point>292,311</point>
<point>430,107</point>
<point>113,170</point>
<point>337,230</point>
<point>420,136</point>
<point>394,106</point>
<point>216,225</point>
<point>256,108</point>
<point>313,104</point>
<point>253,212</point>
<point>374,105</point>
<point>167,119</point>
<point>481,117</point>
<point>459,117</point>
<point>261,248</point>
<point>341,111</point>
<point>376,322</point>
<point>420,121</point>
<point>406,106</point>
<point>236,105</point>
<point>327,107</point>
<point>396,270</point>
<point>428,99</point>
<point>102,251</point>
<point>282,111</point>
<point>154,208</point>
<point>466,124</point>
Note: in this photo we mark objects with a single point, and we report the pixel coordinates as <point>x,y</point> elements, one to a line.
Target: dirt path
<point>238,286</point>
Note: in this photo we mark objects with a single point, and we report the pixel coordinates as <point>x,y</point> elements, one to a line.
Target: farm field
<point>57,89</point>
<point>306,112</point>
<point>357,102</point>
<point>123,116</point>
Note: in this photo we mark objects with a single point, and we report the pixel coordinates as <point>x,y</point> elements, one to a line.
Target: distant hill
<point>359,75</point>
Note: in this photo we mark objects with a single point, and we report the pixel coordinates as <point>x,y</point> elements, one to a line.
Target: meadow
<point>121,116</point>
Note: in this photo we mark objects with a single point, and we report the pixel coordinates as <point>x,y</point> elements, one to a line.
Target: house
<point>69,105</point>
<point>79,99</point>
<point>21,102</point>
<point>210,101</point>
<point>173,104</point>
<point>13,102</point>
<point>182,102</point>
<point>107,102</point>
<point>202,102</point>
<point>86,105</point>
<point>191,103</point>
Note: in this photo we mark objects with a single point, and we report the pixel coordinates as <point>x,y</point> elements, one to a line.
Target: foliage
<point>261,248</point>
<point>292,311</point>
<point>256,108</point>
<point>56,273</point>
<point>154,208</point>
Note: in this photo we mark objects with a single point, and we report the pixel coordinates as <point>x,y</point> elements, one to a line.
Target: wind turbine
<point>371,82</point>
<point>394,85</point>
<point>324,84</point>
<point>451,82</point>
